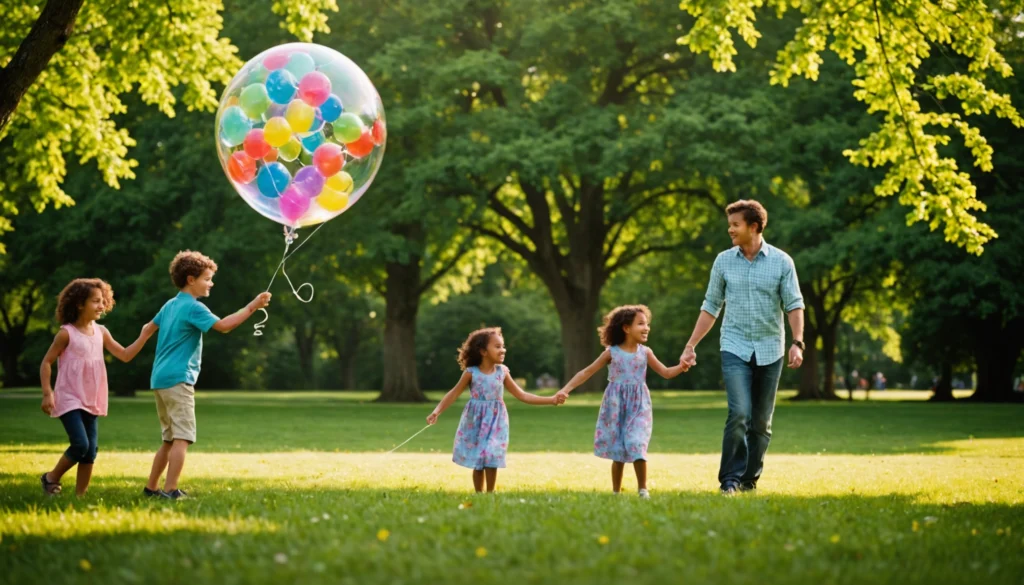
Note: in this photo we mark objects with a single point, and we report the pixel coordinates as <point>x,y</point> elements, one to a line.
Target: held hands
<point>148,330</point>
<point>561,396</point>
<point>48,403</point>
<point>432,418</point>
<point>260,302</point>
<point>796,356</point>
<point>689,358</point>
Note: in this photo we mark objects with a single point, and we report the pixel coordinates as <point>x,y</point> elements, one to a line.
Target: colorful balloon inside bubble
<point>301,133</point>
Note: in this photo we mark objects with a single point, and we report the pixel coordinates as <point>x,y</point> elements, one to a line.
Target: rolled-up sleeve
<point>715,297</point>
<point>792,298</point>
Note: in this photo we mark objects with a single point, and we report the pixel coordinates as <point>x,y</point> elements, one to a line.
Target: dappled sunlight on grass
<point>89,520</point>
<point>934,478</point>
<point>298,487</point>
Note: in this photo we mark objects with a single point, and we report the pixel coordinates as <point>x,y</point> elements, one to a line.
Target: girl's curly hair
<point>76,293</point>
<point>471,351</point>
<point>611,331</point>
<point>189,263</point>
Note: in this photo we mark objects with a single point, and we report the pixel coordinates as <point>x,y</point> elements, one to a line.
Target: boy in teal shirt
<point>179,355</point>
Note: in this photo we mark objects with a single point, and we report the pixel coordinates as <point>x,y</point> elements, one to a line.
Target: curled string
<point>290,235</point>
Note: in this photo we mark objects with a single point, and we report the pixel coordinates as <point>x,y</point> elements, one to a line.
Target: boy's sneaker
<point>644,495</point>
<point>152,493</point>
<point>748,487</point>
<point>175,495</point>
<point>730,489</point>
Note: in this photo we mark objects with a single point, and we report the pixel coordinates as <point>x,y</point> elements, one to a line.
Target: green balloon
<point>348,127</point>
<point>254,100</point>
<point>258,75</point>
<point>300,64</point>
<point>234,126</point>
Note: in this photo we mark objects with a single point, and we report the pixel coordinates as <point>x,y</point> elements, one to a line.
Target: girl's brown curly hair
<point>189,263</point>
<point>76,293</point>
<point>471,351</point>
<point>611,331</point>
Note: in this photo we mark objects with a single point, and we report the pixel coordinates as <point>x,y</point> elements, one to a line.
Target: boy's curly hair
<point>611,329</point>
<point>76,293</point>
<point>189,263</point>
<point>471,351</point>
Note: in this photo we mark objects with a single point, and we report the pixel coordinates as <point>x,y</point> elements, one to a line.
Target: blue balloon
<point>312,141</point>
<point>281,86</point>
<point>273,179</point>
<point>331,109</point>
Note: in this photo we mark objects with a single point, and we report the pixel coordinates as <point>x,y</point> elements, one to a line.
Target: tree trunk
<point>943,391</point>
<point>580,345</point>
<point>48,35</point>
<point>996,354</point>
<point>305,345</point>
<point>346,345</point>
<point>402,295</point>
<point>810,387</point>
<point>944,387</point>
<point>12,345</point>
<point>828,356</point>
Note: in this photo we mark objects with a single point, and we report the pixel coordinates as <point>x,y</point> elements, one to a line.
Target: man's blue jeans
<point>750,390</point>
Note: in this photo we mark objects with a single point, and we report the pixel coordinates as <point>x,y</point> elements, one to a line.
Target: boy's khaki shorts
<point>176,407</point>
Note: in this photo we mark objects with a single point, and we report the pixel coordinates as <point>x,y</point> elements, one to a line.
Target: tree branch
<point>627,259</point>
<point>48,35</point>
<point>433,278</point>
<point>505,239</point>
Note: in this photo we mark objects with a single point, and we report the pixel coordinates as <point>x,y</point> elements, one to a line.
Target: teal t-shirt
<point>179,346</point>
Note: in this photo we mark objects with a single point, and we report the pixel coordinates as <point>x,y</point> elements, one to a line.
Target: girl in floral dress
<point>481,441</point>
<point>625,422</point>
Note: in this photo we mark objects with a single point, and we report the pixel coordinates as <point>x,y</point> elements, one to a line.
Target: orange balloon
<point>241,168</point>
<point>362,146</point>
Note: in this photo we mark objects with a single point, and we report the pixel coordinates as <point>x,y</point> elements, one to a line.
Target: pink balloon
<point>276,61</point>
<point>314,88</point>
<point>293,204</point>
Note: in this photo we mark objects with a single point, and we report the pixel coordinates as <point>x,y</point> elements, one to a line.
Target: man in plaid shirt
<point>757,282</point>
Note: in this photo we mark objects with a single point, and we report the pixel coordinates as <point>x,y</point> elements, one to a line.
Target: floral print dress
<point>482,438</point>
<point>625,422</point>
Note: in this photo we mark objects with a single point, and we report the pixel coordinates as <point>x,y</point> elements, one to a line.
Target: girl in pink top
<point>80,395</point>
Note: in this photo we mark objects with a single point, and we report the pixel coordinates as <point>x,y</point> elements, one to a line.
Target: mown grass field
<point>299,488</point>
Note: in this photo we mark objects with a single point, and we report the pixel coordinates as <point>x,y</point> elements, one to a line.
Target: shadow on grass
<point>267,532</point>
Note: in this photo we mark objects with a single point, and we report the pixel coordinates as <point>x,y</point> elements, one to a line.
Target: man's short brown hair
<point>753,212</point>
<point>189,263</point>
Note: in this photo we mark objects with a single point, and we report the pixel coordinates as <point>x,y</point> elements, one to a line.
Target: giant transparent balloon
<point>300,133</point>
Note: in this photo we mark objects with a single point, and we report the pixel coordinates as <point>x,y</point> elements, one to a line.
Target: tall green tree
<point>564,125</point>
<point>886,43</point>
<point>66,67</point>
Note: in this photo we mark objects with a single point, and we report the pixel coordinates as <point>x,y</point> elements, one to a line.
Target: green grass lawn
<point>299,488</point>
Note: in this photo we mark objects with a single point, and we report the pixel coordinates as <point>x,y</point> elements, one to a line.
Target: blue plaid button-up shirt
<point>756,293</point>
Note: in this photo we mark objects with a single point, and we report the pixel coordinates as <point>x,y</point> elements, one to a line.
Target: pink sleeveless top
<point>81,373</point>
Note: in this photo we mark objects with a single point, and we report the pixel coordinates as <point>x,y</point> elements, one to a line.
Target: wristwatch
<point>799,344</point>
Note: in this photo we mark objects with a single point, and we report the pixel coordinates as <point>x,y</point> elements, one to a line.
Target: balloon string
<point>409,439</point>
<point>289,237</point>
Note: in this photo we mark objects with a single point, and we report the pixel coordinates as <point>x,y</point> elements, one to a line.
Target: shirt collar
<point>764,251</point>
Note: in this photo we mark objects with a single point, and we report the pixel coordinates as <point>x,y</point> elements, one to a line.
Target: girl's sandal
<point>50,488</point>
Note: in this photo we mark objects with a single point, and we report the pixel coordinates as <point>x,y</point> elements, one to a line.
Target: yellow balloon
<point>299,115</point>
<point>340,182</point>
<point>332,200</point>
<point>290,151</point>
<point>277,132</point>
